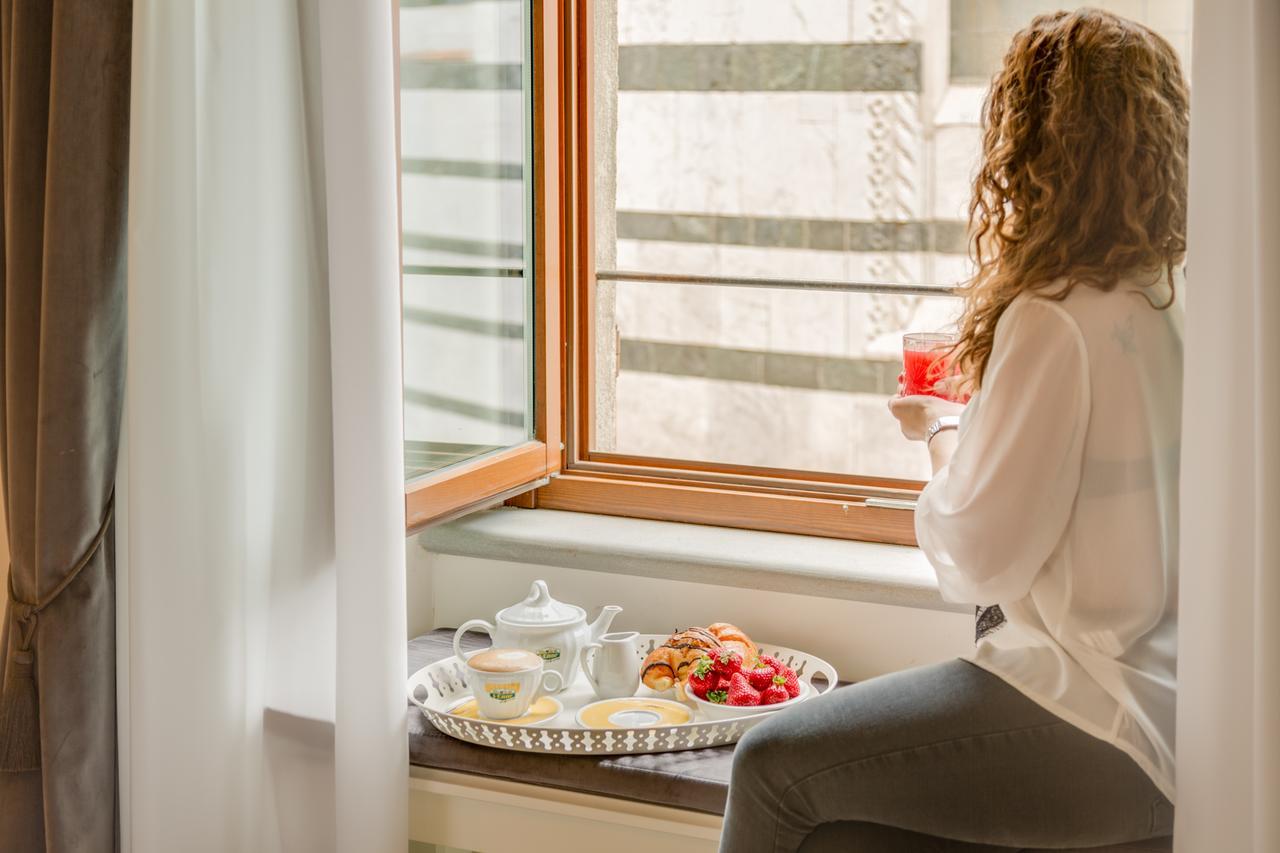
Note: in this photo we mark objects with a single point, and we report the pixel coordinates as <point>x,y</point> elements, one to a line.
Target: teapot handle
<point>472,625</point>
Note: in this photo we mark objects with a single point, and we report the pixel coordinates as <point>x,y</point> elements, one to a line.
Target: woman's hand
<point>916,412</point>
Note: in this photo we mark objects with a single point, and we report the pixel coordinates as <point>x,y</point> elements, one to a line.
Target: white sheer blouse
<point>1061,506</point>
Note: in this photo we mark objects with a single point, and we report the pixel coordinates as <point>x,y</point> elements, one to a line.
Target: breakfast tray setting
<point>440,687</point>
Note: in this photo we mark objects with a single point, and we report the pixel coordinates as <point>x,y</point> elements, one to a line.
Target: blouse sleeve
<point>991,518</point>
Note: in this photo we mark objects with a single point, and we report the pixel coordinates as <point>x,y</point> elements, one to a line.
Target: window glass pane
<point>815,140</point>
<point>749,392</point>
<point>466,195</point>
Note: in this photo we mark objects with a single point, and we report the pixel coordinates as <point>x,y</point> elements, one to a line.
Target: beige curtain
<point>64,92</point>
<point>1229,633</point>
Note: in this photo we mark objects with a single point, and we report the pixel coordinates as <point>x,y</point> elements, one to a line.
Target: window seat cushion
<point>696,779</point>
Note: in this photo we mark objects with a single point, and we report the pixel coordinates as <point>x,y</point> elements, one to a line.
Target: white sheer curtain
<point>261,588</point>
<point>1229,635</point>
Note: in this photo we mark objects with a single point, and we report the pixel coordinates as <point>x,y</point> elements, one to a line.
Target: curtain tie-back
<point>19,702</point>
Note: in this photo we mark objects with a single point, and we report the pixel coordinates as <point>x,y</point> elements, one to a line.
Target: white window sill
<point>752,559</point>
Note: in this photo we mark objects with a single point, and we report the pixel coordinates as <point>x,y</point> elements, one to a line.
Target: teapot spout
<point>600,627</point>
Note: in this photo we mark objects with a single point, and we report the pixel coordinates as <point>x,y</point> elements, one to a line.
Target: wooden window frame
<point>789,501</point>
<point>492,477</point>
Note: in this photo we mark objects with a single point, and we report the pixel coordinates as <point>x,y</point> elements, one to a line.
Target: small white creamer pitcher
<point>615,671</point>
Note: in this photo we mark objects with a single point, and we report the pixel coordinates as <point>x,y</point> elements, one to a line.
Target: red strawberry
<point>761,675</point>
<point>719,697</point>
<point>702,679</point>
<point>790,682</point>
<point>741,692</point>
<point>775,692</point>
<point>727,661</point>
<point>773,662</point>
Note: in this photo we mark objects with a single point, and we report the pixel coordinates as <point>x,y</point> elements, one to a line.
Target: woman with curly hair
<point>1054,501</point>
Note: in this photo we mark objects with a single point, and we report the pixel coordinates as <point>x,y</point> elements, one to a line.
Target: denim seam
<point>907,749</point>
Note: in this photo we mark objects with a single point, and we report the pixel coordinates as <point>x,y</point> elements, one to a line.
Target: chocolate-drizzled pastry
<point>669,662</point>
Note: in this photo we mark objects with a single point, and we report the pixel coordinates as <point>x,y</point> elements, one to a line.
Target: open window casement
<point>481,231</point>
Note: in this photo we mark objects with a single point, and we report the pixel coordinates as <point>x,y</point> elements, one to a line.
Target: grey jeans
<point>941,758</point>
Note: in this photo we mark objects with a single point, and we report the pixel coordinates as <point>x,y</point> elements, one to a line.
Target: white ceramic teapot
<point>553,630</point>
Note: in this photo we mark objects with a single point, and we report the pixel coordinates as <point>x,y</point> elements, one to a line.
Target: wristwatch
<point>942,423</point>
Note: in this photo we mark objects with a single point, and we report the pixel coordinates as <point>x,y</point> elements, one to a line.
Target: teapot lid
<point>539,608</point>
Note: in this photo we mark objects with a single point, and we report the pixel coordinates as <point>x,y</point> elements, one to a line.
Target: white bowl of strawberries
<point>721,687</point>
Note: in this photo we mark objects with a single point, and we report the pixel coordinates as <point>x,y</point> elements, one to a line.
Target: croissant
<point>670,662</point>
<point>733,637</point>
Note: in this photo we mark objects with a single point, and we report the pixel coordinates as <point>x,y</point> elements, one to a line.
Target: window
<point>758,200</point>
<point>479,255</point>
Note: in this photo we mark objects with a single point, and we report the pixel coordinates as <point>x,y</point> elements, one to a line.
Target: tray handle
<point>413,690</point>
<point>827,672</point>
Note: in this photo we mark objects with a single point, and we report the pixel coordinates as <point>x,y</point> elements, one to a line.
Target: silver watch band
<point>943,423</point>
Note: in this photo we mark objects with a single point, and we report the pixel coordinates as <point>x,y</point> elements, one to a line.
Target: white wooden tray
<point>442,685</point>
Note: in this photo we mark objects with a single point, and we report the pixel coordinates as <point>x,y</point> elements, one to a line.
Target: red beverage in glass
<point>926,361</point>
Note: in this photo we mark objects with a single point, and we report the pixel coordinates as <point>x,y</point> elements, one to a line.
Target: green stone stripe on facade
<point>462,168</point>
<point>832,235</point>
<point>463,246</point>
<point>466,408</point>
<point>857,67</point>
<point>829,235</point>
<point>457,322</point>
<point>949,236</point>
<point>429,74</point>
<point>787,370</point>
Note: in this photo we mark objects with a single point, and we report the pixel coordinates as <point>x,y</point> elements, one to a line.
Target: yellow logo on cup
<point>502,692</point>
<point>548,654</point>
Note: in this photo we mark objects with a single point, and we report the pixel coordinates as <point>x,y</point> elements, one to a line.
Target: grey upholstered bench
<point>696,779</point>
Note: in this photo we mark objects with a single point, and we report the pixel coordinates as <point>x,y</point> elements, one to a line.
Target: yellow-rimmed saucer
<point>543,709</point>
<point>633,712</point>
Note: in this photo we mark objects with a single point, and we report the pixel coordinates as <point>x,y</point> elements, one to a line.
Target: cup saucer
<point>633,712</point>
<point>543,709</point>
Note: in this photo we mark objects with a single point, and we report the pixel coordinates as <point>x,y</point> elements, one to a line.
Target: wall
<point>860,640</point>
<point>419,588</point>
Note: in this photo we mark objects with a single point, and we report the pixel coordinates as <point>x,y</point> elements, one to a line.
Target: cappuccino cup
<point>506,682</point>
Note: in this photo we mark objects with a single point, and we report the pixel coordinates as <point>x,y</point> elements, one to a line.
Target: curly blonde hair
<point>1083,177</point>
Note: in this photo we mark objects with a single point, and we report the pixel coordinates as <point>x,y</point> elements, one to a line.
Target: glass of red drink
<point>925,362</point>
